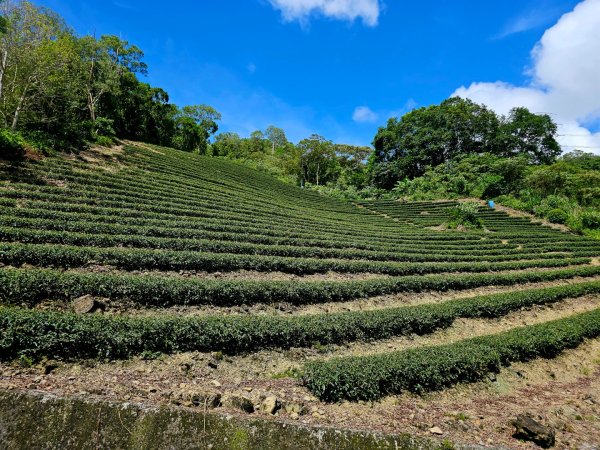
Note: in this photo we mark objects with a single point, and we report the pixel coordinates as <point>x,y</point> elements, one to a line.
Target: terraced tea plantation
<point>196,277</point>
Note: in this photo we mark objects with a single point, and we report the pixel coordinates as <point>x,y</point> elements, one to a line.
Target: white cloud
<point>350,10</point>
<point>527,21</point>
<point>564,79</point>
<point>364,114</point>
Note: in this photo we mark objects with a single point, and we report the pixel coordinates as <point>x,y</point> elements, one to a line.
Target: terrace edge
<point>42,420</point>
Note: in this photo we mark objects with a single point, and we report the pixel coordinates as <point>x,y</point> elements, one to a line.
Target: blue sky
<point>339,70</point>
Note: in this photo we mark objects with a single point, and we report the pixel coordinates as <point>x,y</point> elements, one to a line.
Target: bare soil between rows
<point>562,393</point>
<point>128,308</point>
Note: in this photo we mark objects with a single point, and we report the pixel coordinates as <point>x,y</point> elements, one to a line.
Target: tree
<point>227,144</point>
<point>353,164</point>
<point>317,159</point>
<point>276,136</point>
<point>528,134</point>
<point>105,61</point>
<point>30,53</point>
<point>430,136</point>
<point>194,126</point>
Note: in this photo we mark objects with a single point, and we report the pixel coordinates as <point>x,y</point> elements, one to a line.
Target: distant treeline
<point>60,91</point>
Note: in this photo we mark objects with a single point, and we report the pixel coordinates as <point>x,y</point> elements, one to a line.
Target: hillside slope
<point>181,254</point>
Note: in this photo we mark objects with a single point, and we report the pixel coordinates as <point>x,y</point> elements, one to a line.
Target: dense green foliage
<point>30,286</point>
<point>436,367</point>
<point>38,334</point>
<point>428,137</point>
<point>59,90</point>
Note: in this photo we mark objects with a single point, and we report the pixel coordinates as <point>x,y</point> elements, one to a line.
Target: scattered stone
<point>197,397</point>
<point>295,408</point>
<point>294,416</point>
<point>528,429</point>
<point>87,304</point>
<point>271,405</point>
<point>239,402</point>
<point>215,383</point>
<point>436,430</point>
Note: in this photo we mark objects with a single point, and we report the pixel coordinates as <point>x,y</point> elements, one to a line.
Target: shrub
<point>12,145</point>
<point>39,334</point>
<point>436,367</point>
<point>590,219</point>
<point>465,214</point>
<point>557,216</point>
<point>104,141</point>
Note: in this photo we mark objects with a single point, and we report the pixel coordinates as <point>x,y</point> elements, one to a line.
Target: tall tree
<point>276,136</point>
<point>318,159</point>
<point>28,56</point>
<point>105,61</point>
<point>528,134</point>
<point>195,124</point>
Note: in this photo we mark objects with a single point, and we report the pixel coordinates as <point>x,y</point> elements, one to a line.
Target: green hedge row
<point>19,286</point>
<point>36,236</point>
<point>131,208</point>
<point>65,335</point>
<point>80,226</point>
<point>48,255</point>
<point>174,227</point>
<point>436,367</point>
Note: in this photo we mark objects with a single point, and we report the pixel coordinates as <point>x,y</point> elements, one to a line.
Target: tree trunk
<point>2,70</point>
<point>19,108</point>
<point>91,107</point>
<point>318,169</point>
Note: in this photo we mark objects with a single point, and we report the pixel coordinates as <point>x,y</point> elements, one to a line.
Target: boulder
<point>87,304</point>
<point>528,429</point>
<point>271,405</point>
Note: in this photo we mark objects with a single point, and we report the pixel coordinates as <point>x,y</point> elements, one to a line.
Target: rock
<point>436,430</point>
<point>295,408</point>
<point>528,429</point>
<point>271,405</point>
<point>294,416</point>
<point>215,383</point>
<point>239,402</point>
<point>197,397</point>
<point>87,304</point>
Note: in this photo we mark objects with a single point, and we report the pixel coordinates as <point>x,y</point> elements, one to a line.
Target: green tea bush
<point>64,335</point>
<point>32,285</point>
<point>436,367</point>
